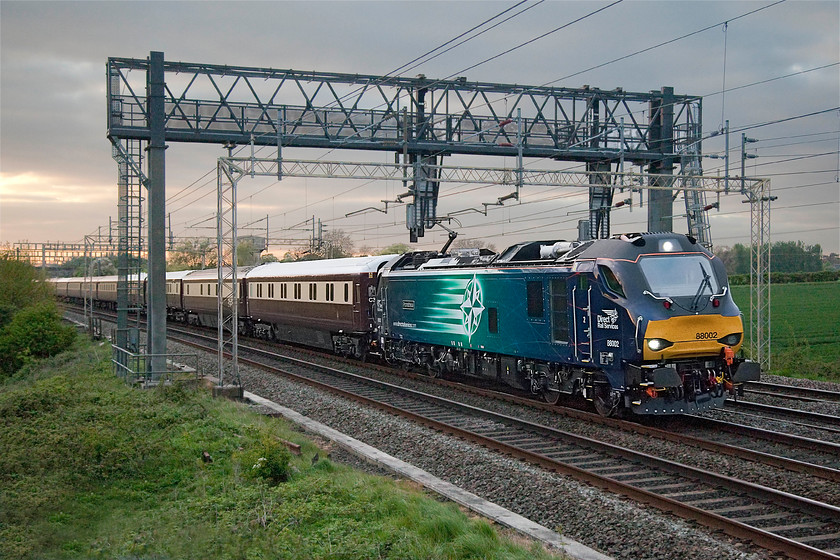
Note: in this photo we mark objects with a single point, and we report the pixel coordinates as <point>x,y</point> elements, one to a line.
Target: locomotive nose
<point>691,336</point>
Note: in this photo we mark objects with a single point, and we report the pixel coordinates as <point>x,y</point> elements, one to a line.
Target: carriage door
<point>382,309</point>
<point>582,318</point>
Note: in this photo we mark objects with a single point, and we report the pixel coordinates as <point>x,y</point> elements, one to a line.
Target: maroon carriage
<point>327,304</point>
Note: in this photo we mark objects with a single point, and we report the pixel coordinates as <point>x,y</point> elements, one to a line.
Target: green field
<point>804,328</point>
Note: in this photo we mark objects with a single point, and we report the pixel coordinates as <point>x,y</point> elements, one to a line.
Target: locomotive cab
<point>686,329</point>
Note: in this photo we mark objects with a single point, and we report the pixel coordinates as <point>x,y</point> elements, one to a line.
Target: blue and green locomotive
<point>642,323</point>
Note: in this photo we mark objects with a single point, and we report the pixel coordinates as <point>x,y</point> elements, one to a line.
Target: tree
<point>795,256</point>
<point>192,254</point>
<point>396,249</point>
<point>291,256</point>
<point>467,243</point>
<point>736,260</point>
<point>785,256</point>
<point>21,285</point>
<point>247,253</point>
<point>102,266</point>
<point>337,244</point>
<point>30,324</point>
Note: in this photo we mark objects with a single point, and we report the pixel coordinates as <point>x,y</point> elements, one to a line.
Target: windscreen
<point>679,275</point>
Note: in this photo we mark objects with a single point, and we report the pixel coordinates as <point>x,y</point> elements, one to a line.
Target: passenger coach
<point>325,303</point>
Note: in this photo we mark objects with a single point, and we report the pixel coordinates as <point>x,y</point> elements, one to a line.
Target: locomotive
<point>637,323</point>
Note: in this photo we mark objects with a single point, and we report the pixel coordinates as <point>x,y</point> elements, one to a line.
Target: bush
<point>269,461</point>
<point>34,332</point>
<point>21,286</point>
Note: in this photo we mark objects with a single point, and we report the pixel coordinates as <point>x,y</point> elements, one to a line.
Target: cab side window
<point>610,280</point>
<point>535,299</point>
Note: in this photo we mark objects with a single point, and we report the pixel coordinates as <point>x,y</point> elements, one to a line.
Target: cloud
<point>55,156</point>
<point>34,187</point>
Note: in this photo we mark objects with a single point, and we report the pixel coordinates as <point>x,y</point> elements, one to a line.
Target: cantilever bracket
<point>399,200</point>
<point>500,201</point>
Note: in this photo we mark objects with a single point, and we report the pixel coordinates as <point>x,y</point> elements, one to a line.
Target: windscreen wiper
<point>705,282</point>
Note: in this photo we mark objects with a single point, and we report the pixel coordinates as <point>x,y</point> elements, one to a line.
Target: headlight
<point>657,344</point>
<point>730,339</point>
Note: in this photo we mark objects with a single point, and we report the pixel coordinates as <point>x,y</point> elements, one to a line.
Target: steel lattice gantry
<point>421,119</point>
<point>153,101</point>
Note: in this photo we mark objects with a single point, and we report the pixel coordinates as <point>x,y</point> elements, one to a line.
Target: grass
<point>805,328</point>
<point>95,469</point>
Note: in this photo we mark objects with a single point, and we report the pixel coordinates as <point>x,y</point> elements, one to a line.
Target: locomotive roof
<point>630,246</point>
<point>556,253</point>
<point>326,267</point>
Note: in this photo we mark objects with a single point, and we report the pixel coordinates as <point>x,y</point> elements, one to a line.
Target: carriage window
<point>610,280</point>
<point>535,299</point>
<point>346,292</point>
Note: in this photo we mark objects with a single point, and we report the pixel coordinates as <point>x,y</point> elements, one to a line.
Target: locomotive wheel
<point>551,397</point>
<point>603,401</point>
<point>433,370</point>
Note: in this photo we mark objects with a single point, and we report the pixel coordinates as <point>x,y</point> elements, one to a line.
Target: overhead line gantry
<point>153,101</point>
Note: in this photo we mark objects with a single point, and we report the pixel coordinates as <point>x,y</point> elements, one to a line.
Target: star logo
<point>472,307</point>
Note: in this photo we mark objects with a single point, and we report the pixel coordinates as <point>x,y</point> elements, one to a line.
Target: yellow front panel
<point>693,335</point>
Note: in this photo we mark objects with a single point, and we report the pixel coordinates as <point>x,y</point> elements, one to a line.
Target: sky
<point>775,73</point>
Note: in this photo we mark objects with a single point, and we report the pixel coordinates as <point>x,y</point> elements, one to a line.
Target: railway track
<point>791,392</point>
<point>786,451</point>
<point>781,450</point>
<point>814,420</point>
<point>795,453</point>
<point>799,527</point>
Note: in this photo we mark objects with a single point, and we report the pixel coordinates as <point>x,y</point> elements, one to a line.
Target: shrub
<point>34,332</point>
<point>268,461</point>
<point>21,286</point>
